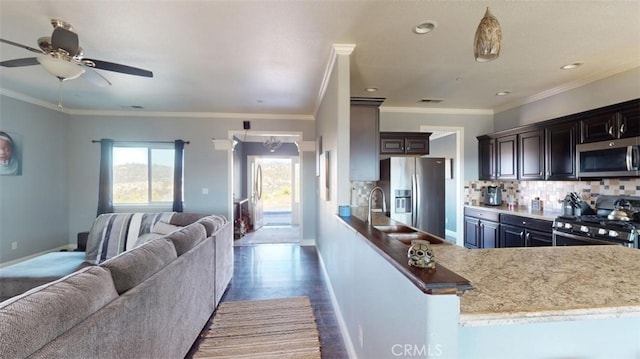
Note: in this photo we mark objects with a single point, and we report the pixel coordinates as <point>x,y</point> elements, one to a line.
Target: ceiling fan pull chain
<point>60,108</point>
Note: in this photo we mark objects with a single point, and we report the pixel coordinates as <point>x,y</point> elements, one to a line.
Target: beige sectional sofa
<point>150,301</point>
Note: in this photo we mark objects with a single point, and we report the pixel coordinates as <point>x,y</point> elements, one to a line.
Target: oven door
<point>569,239</point>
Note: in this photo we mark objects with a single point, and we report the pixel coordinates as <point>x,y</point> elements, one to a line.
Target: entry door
<point>255,191</point>
<point>295,191</point>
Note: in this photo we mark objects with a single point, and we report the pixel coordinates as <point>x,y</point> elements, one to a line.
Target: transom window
<point>143,173</point>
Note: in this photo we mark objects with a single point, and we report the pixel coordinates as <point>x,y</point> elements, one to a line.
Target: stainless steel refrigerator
<point>414,190</point>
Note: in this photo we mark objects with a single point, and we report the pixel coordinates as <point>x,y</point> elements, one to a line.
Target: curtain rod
<point>98,141</point>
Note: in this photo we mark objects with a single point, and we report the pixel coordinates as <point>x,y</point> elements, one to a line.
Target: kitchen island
<point>545,302</point>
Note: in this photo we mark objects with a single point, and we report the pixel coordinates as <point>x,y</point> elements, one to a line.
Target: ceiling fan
<point>62,56</point>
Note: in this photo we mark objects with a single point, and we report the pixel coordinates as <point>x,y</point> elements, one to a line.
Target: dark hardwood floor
<point>269,271</point>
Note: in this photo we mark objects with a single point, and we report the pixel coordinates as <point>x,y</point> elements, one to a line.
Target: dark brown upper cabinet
<point>547,150</point>
<point>507,159</point>
<point>364,135</point>
<point>531,155</point>
<point>560,151</point>
<point>497,157</point>
<point>611,122</point>
<point>404,143</point>
<point>487,158</point>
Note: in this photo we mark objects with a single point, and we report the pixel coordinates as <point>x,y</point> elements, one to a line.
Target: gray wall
<point>611,90</point>
<point>34,207</point>
<point>56,195</point>
<point>473,124</point>
<point>204,167</point>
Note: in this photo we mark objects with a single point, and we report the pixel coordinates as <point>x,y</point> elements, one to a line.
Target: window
<point>143,173</point>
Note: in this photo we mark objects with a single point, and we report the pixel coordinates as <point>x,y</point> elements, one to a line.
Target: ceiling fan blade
<point>65,40</point>
<point>27,61</point>
<point>37,51</point>
<point>110,66</point>
<point>95,78</point>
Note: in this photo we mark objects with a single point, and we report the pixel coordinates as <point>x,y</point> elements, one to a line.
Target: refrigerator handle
<point>414,199</point>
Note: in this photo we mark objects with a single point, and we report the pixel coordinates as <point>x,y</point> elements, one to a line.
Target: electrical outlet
<point>205,191</point>
<point>14,245</point>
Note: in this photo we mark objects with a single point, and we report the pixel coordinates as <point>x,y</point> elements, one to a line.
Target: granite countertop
<point>541,284</point>
<point>548,215</point>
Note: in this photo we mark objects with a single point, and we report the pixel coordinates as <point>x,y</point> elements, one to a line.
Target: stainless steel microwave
<point>615,158</point>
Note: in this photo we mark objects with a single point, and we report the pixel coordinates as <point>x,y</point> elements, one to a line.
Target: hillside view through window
<point>142,175</point>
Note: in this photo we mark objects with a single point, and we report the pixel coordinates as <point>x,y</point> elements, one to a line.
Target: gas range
<point>596,228</point>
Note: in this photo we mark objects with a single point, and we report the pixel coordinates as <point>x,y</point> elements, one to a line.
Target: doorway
<point>268,178</point>
<point>273,188</point>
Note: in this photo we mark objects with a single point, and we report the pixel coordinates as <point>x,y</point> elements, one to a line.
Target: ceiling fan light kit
<point>488,38</point>
<point>60,68</point>
<point>62,56</point>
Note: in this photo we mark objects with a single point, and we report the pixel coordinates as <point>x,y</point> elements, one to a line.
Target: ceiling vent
<point>430,100</point>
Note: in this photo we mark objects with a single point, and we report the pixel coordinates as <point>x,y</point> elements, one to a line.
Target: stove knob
<point>602,231</point>
<point>613,234</point>
<point>568,226</point>
<point>584,229</point>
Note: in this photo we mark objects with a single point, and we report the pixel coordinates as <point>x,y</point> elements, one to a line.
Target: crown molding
<point>336,49</point>
<point>568,86</point>
<point>225,115</point>
<point>28,99</point>
<point>439,111</point>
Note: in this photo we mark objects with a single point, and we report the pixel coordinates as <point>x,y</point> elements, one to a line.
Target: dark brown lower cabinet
<point>481,229</point>
<point>518,231</point>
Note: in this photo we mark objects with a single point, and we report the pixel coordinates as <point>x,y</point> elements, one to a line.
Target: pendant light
<point>486,45</point>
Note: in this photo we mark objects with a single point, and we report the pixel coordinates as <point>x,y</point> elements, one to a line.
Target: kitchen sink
<point>406,238</point>
<point>406,234</point>
<point>398,229</point>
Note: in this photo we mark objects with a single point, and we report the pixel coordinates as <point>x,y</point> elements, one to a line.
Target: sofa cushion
<point>107,237</point>
<point>164,228</point>
<point>133,267</point>
<point>187,237</point>
<point>31,320</point>
<point>212,223</point>
<point>184,219</point>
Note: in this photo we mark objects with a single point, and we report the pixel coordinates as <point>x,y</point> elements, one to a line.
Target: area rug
<point>273,328</point>
<point>270,235</point>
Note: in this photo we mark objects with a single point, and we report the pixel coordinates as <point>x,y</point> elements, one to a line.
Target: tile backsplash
<point>551,192</point>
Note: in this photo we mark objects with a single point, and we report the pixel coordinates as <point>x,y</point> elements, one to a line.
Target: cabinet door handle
<point>522,235</point>
<point>622,129</point>
<point>540,173</point>
<point>610,130</point>
<point>527,239</point>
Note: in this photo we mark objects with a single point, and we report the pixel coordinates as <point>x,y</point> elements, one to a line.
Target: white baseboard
<point>341,323</point>
<point>69,247</point>
<point>308,242</point>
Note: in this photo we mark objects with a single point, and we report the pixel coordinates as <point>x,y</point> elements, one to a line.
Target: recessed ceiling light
<point>371,89</point>
<point>503,93</point>
<point>425,27</point>
<point>572,65</point>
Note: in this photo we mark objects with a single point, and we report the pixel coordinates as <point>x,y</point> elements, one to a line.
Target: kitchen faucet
<point>384,202</point>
